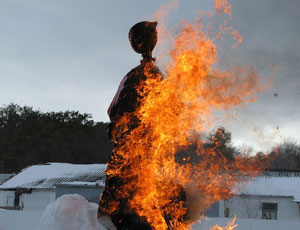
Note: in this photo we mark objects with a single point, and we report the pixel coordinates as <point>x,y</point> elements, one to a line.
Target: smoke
<point>270,30</point>
<point>197,203</point>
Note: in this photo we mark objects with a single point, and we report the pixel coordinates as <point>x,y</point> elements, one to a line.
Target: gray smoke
<point>270,31</point>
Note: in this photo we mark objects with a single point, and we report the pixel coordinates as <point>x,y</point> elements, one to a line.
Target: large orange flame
<point>173,114</point>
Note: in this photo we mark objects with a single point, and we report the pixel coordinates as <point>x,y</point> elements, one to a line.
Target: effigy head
<point>143,38</point>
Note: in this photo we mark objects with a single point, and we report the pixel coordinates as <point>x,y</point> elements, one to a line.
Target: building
<point>35,187</point>
<point>4,177</point>
<point>273,196</point>
<point>91,191</point>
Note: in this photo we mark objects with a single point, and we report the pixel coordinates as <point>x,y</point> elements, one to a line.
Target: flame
<point>173,113</point>
<point>222,6</point>
<point>230,226</point>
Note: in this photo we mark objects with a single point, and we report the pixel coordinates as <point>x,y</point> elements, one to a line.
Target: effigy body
<point>123,121</point>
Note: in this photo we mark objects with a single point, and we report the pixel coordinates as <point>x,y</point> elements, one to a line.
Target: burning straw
<point>173,113</point>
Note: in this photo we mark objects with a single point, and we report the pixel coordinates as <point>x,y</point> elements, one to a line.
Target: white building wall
<point>7,198</point>
<point>251,207</point>
<point>37,200</point>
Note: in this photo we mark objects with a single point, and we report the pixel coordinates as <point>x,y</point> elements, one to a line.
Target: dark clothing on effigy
<point>125,102</point>
<point>127,98</point>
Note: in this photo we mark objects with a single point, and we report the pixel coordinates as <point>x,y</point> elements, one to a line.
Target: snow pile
<point>48,175</point>
<point>73,212</point>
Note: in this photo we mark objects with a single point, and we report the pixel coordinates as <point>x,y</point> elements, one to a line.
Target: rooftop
<point>4,177</point>
<point>48,175</point>
<point>273,184</point>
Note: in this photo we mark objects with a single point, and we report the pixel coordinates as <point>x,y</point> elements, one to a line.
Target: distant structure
<point>37,186</point>
<point>271,196</point>
<point>91,191</point>
<point>5,176</point>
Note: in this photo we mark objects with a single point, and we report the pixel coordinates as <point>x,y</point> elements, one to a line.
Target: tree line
<point>29,136</point>
<point>286,157</point>
<point>282,157</point>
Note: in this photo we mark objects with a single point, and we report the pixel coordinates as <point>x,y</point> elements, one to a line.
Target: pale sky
<point>58,55</point>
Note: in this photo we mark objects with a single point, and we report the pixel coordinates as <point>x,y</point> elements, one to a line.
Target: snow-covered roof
<point>273,184</point>
<point>48,175</point>
<point>4,177</point>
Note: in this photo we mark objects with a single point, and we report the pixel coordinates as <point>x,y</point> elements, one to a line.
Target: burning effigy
<point>143,38</point>
<point>155,116</point>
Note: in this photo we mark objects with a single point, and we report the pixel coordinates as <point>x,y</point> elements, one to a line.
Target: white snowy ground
<point>69,212</point>
<point>19,220</point>
<point>74,212</point>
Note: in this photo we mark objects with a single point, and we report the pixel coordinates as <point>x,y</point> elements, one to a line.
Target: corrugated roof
<point>4,177</point>
<point>48,175</point>
<point>272,184</point>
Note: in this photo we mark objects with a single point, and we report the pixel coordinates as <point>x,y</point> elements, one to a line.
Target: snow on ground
<point>72,212</point>
<point>19,219</point>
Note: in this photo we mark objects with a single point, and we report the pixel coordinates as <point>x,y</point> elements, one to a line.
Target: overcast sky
<point>71,55</point>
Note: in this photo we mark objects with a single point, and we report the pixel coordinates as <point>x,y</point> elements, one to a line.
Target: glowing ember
<point>173,113</point>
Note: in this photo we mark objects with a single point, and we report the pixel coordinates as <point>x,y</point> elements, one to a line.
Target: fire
<point>222,6</point>
<point>230,226</point>
<point>173,114</point>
